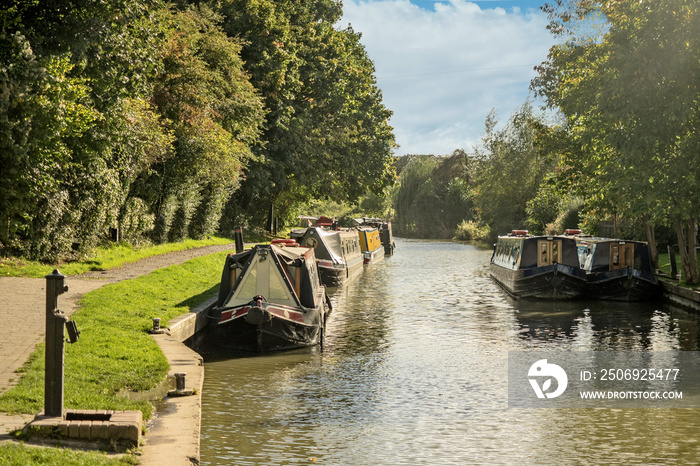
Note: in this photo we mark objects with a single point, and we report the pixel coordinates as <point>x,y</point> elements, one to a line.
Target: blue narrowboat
<point>619,270</point>
<point>542,267</point>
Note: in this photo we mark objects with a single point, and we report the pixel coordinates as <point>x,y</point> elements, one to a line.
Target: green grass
<point>665,268</point>
<point>21,455</point>
<point>102,258</point>
<point>115,351</point>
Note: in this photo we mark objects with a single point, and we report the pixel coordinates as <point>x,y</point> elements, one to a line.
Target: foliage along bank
<point>624,81</point>
<point>170,120</point>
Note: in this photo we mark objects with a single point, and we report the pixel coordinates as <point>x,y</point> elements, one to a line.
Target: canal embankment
<point>686,298</point>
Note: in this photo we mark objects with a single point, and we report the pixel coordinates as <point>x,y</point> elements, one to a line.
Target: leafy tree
<point>433,195</point>
<point>414,200</point>
<point>123,113</point>
<point>544,208</point>
<point>88,59</point>
<point>214,114</point>
<point>509,170</point>
<point>42,109</point>
<point>630,100</point>
<point>326,132</point>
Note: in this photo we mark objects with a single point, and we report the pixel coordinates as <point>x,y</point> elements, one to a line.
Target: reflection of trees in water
<point>361,308</point>
<point>355,348</point>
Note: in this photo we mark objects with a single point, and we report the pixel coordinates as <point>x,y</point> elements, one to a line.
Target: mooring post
<point>55,344</point>
<point>672,261</point>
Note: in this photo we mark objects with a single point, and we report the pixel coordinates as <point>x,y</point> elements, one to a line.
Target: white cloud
<point>441,72</point>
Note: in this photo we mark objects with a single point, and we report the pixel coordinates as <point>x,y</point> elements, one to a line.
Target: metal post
<point>672,261</point>
<point>270,218</point>
<point>55,343</point>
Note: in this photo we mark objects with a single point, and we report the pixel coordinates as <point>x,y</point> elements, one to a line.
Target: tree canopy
<point>168,120</point>
<point>630,96</point>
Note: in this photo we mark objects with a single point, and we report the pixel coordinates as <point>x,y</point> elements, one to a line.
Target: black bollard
<point>238,237</point>
<point>55,345</point>
<point>672,261</point>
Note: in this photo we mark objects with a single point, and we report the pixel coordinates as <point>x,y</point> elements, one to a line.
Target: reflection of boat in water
<point>270,299</point>
<point>545,267</point>
<point>617,269</point>
<point>337,253</point>
<point>385,234</point>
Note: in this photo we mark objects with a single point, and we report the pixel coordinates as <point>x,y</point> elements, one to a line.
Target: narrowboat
<point>270,298</point>
<point>543,267</point>
<point>370,244</point>
<point>618,270</point>
<point>385,234</point>
<point>337,253</point>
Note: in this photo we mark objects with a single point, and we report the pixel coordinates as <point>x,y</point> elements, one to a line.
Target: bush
<point>471,231</point>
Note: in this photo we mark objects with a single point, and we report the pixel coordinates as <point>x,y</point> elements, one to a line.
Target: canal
<point>414,370</point>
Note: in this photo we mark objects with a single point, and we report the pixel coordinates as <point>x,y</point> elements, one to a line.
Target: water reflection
<point>605,325</point>
<point>414,371</point>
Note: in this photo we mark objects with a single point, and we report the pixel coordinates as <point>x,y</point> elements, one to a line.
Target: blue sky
<point>443,66</point>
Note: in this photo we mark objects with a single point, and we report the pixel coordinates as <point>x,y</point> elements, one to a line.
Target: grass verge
<point>665,268</point>
<point>102,258</point>
<point>21,455</point>
<point>115,351</point>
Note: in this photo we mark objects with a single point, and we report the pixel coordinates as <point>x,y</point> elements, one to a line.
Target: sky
<point>442,66</point>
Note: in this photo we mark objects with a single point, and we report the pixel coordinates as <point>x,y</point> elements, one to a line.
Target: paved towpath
<point>23,313</point>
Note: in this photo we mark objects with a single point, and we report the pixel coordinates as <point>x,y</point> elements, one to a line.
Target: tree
<point>326,133</point>
<point>123,113</point>
<point>88,60</point>
<point>508,172</point>
<point>215,115</point>
<point>433,195</point>
<point>630,98</point>
<point>42,108</point>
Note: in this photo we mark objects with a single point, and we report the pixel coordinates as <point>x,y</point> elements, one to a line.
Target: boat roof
<point>330,239</point>
<point>267,277</point>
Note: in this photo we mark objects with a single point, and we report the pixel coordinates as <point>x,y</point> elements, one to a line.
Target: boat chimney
<point>238,237</point>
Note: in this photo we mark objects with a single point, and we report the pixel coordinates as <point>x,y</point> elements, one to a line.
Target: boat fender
<point>257,314</point>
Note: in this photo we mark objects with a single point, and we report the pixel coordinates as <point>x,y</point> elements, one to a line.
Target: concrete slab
<point>172,435</point>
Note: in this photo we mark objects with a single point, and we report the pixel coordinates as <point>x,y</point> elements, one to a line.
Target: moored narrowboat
<point>370,244</point>
<point>337,253</point>
<point>543,267</point>
<point>270,298</point>
<point>385,234</point>
<point>618,270</point>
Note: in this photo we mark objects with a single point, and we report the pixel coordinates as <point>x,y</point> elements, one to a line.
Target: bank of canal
<point>414,371</point>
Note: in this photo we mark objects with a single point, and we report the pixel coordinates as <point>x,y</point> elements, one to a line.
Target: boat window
<point>262,278</point>
<point>278,289</point>
<point>544,253</point>
<point>549,252</point>
<point>249,287</point>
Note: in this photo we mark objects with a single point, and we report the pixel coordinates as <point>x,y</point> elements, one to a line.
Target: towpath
<point>23,314</point>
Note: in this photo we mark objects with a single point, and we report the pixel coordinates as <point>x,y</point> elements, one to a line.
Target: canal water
<point>414,371</point>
